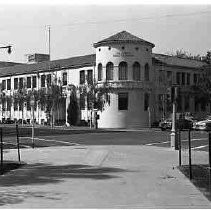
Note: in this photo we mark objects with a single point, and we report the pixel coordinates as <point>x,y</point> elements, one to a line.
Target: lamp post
<point>32,103</point>
<point>174,136</point>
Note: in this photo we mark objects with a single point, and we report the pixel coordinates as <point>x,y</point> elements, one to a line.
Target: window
<point>21,83</point>
<point>28,106</point>
<point>8,84</point>
<point>179,104</point>
<point>183,78</point>
<point>123,71</point>
<point>8,104</point>
<point>89,101</point>
<point>146,72</point>
<point>82,77</point>
<point>146,101</point>
<point>196,104</point>
<point>195,78</point>
<point>82,101</point>
<point>90,77</point>
<point>3,84</point>
<point>99,69</point>
<point>15,83</point>
<point>15,105</point>
<point>136,71</point>
<point>43,80</point>
<point>169,77</point>
<point>187,104</point>
<point>64,78</point>
<point>188,78</point>
<point>161,76</point>
<point>48,80</point>
<point>20,105</point>
<point>203,106</point>
<point>34,82</point>
<point>109,71</point>
<point>123,101</point>
<point>178,78</point>
<point>28,82</point>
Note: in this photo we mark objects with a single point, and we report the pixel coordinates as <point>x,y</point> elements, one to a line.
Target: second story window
<point>100,73</point>
<point>169,77</point>
<point>146,72</point>
<point>82,77</point>
<point>90,76</point>
<point>123,71</point>
<point>15,83</point>
<point>136,71</point>
<point>48,80</point>
<point>21,83</point>
<point>64,78</point>
<point>109,71</point>
<point>28,82</point>
<point>195,78</point>
<point>8,84</point>
<point>183,78</point>
<point>178,78</point>
<point>43,80</point>
<point>34,82</point>
<point>3,84</point>
<point>188,79</point>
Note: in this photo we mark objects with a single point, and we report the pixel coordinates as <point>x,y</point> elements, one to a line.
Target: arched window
<point>100,68</point>
<point>109,71</point>
<point>136,71</point>
<point>146,72</point>
<point>123,71</point>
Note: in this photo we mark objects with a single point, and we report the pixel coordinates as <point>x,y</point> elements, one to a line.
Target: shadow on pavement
<point>43,174</point>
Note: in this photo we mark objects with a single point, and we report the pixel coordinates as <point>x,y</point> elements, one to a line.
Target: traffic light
<point>173,93</point>
<point>9,49</point>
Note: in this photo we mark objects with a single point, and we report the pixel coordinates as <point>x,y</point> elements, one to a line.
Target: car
<point>181,124</point>
<point>165,124</point>
<point>203,125</point>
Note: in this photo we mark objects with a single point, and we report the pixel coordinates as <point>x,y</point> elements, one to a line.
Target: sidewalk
<point>98,177</point>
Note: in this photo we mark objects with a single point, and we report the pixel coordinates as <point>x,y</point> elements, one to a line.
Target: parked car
<point>165,124</point>
<point>180,124</point>
<point>203,125</point>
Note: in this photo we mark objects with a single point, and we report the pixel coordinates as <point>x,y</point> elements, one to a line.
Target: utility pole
<point>49,41</point>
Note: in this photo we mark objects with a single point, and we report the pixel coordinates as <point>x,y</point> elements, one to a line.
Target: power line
<point>115,21</point>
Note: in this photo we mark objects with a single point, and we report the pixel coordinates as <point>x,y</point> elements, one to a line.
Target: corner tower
<point>124,63</point>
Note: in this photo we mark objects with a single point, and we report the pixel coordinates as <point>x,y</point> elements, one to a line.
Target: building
<point>137,80</point>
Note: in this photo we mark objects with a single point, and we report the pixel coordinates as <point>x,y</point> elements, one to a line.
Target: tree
<point>72,110</point>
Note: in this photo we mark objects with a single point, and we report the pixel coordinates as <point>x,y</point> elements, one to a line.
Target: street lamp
<point>174,136</point>
<point>32,103</point>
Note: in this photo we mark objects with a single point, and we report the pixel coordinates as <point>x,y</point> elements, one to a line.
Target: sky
<point>75,27</point>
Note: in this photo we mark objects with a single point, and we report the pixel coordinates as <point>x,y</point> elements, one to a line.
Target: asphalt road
<point>45,137</point>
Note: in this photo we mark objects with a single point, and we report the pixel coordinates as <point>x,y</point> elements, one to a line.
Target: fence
<point>194,158</point>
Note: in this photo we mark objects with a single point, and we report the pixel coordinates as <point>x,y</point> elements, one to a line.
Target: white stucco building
<point>137,77</point>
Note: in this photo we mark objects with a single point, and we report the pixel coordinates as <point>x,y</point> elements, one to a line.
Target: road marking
<point>199,147</point>
<point>64,142</point>
<point>16,144</point>
<point>166,142</point>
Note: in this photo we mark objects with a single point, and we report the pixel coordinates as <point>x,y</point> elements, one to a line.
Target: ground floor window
<point>123,101</point>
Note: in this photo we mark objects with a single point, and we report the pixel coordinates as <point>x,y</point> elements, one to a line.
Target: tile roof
<point>175,61</point>
<point>74,62</point>
<point>122,37</point>
<point>89,60</point>
<point>5,64</point>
